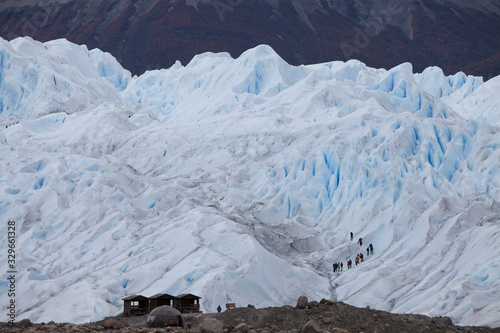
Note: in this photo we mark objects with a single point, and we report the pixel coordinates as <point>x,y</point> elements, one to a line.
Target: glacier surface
<point>245,177</point>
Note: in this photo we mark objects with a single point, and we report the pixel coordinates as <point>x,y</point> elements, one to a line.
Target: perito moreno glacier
<point>245,177</point>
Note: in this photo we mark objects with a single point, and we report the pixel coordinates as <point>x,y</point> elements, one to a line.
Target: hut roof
<point>188,296</point>
<point>161,296</point>
<point>135,298</point>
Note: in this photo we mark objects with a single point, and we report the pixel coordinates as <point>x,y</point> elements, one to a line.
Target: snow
<point>245,176</point>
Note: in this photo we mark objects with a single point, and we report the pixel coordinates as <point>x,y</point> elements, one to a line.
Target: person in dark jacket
<point>352,235</point>
<point>371,248</point>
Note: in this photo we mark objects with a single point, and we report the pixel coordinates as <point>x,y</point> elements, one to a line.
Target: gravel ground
<point>314,317</point>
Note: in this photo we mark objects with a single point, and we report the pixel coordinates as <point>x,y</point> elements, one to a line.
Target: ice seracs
<point>245,176</point>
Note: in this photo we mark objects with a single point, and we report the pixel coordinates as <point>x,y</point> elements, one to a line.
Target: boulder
<point>327,317</point>
<point>24,323</point>
<point>311,327</point>
<point>211,325</point>
<point>312,304</point>
<point>242,327</point>
<point>302,302</point>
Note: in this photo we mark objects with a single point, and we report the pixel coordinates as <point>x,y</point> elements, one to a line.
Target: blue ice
<point>12,191</point>
<point>39,184</point>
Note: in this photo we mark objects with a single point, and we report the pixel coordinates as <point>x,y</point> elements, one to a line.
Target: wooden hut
<point>187,303</point>
<point>159,300</point>
<point>135,305</point>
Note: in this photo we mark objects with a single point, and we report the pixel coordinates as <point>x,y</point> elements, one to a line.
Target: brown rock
<point>302,302</point>
<point>211,325</point>
<point>311,327</point>
<point>243,328</point>
<point>312,304</point>
<point>24,323</point>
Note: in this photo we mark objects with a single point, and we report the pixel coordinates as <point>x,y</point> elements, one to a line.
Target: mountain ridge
<point>146,35</point>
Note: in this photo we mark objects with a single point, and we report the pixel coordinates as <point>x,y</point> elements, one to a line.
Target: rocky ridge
<point>305,317</point>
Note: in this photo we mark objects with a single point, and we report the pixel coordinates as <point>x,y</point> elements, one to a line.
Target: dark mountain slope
<point>152,34</point>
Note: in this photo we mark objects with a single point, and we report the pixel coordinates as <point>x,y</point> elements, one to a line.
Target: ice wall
<point>245,176</point>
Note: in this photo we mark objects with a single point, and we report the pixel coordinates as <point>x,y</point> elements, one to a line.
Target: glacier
<point>245,177</point>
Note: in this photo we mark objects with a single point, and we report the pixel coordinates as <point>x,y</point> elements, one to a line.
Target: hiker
<point>357,260</point>
<point>349,264</point>
<point>361,257</point>
<point>335,266</point>
<point>352,235</point>
<point>219,309</point>
<point>367,251</point>
<point>371,248</point>
<point>360,241</point>
<point>341,266</point>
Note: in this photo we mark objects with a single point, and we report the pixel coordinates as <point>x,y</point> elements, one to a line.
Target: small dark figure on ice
<point>360,241</point>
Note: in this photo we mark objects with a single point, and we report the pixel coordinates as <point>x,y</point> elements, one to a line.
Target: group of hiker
<point>337,267</point>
